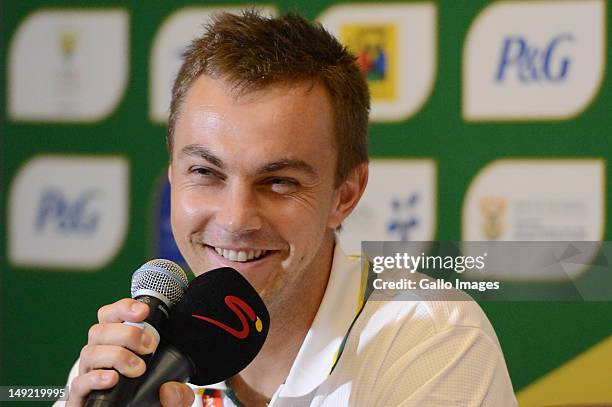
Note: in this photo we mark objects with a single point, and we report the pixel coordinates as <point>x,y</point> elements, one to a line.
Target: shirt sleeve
<point>459,366</point>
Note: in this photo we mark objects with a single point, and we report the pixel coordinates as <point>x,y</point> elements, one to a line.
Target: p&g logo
<point>530,63</point>
<point>67,216</point>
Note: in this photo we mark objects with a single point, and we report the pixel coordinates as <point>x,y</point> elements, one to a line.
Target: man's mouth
<point>241,256</point>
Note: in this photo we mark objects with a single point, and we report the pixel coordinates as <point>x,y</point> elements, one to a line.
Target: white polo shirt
<point>398,353</point>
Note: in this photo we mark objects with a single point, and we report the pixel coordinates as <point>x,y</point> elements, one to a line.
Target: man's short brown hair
<point>251,52</point>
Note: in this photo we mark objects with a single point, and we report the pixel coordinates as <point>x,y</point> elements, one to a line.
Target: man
<point>268,155</point>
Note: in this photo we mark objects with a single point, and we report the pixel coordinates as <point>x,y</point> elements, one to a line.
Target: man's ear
<point>170,173</point>
<point>347,195</point>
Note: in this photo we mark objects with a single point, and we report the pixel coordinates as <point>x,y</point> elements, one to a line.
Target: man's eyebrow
<point>288,163</point>
<point>199,151</point>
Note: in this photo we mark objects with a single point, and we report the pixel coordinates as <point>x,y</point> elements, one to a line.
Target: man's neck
<point>256,384</point>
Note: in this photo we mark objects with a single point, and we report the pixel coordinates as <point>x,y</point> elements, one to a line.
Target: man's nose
<point>239,210</point>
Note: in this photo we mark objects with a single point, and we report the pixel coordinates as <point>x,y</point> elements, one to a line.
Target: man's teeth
<point>240,255</point>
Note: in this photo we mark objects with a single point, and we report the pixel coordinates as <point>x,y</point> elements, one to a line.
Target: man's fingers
<point>82,385</point>
<point>175,394</point>
<point>109,356</point>
<point>126,309</point>
<point>112,345</point>
<point>138,340</point>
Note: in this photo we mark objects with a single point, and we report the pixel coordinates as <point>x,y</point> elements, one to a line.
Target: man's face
<point>253,183</point>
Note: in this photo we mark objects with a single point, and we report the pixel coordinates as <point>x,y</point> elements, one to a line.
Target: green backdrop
<point>45,315</point>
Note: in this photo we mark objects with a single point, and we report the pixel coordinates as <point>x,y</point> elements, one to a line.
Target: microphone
<point>212,334</point>
<point>160,284</point>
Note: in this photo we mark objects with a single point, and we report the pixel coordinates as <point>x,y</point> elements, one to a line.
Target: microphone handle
<point>168,364</point>
<point>118,395</point>
<point>113,397</point>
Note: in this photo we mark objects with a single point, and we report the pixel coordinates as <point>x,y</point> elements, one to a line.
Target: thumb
<point>175,394</point>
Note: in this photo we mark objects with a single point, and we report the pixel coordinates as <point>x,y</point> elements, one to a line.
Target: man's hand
<point>111,345</point>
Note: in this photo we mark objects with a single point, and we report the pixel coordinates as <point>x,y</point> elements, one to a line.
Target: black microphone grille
<point>160,276</point>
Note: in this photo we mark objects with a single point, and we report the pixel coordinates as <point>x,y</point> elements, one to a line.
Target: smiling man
<point>268,155</point>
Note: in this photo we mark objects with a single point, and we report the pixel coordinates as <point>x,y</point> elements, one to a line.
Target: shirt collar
<point>333,319</point>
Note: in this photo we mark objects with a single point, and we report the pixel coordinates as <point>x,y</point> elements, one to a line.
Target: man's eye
<point>283,181</point>
<point>205,176</point>
<point>201,171</point>
<point>283,185</point>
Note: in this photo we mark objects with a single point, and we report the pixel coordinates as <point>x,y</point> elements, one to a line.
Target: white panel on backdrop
<point>399,204</point>
<point>539,199</point>
<point>170,42</point>
<point>68,65</point>
<point>534,60</point>
<point>395,45</point>
<point>68,212</point>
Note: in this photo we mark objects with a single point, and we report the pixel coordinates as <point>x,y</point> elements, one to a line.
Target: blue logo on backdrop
<point>531,63</point>
<point>403,216</point>
<point>166,246</point>
<point>56,211</point>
